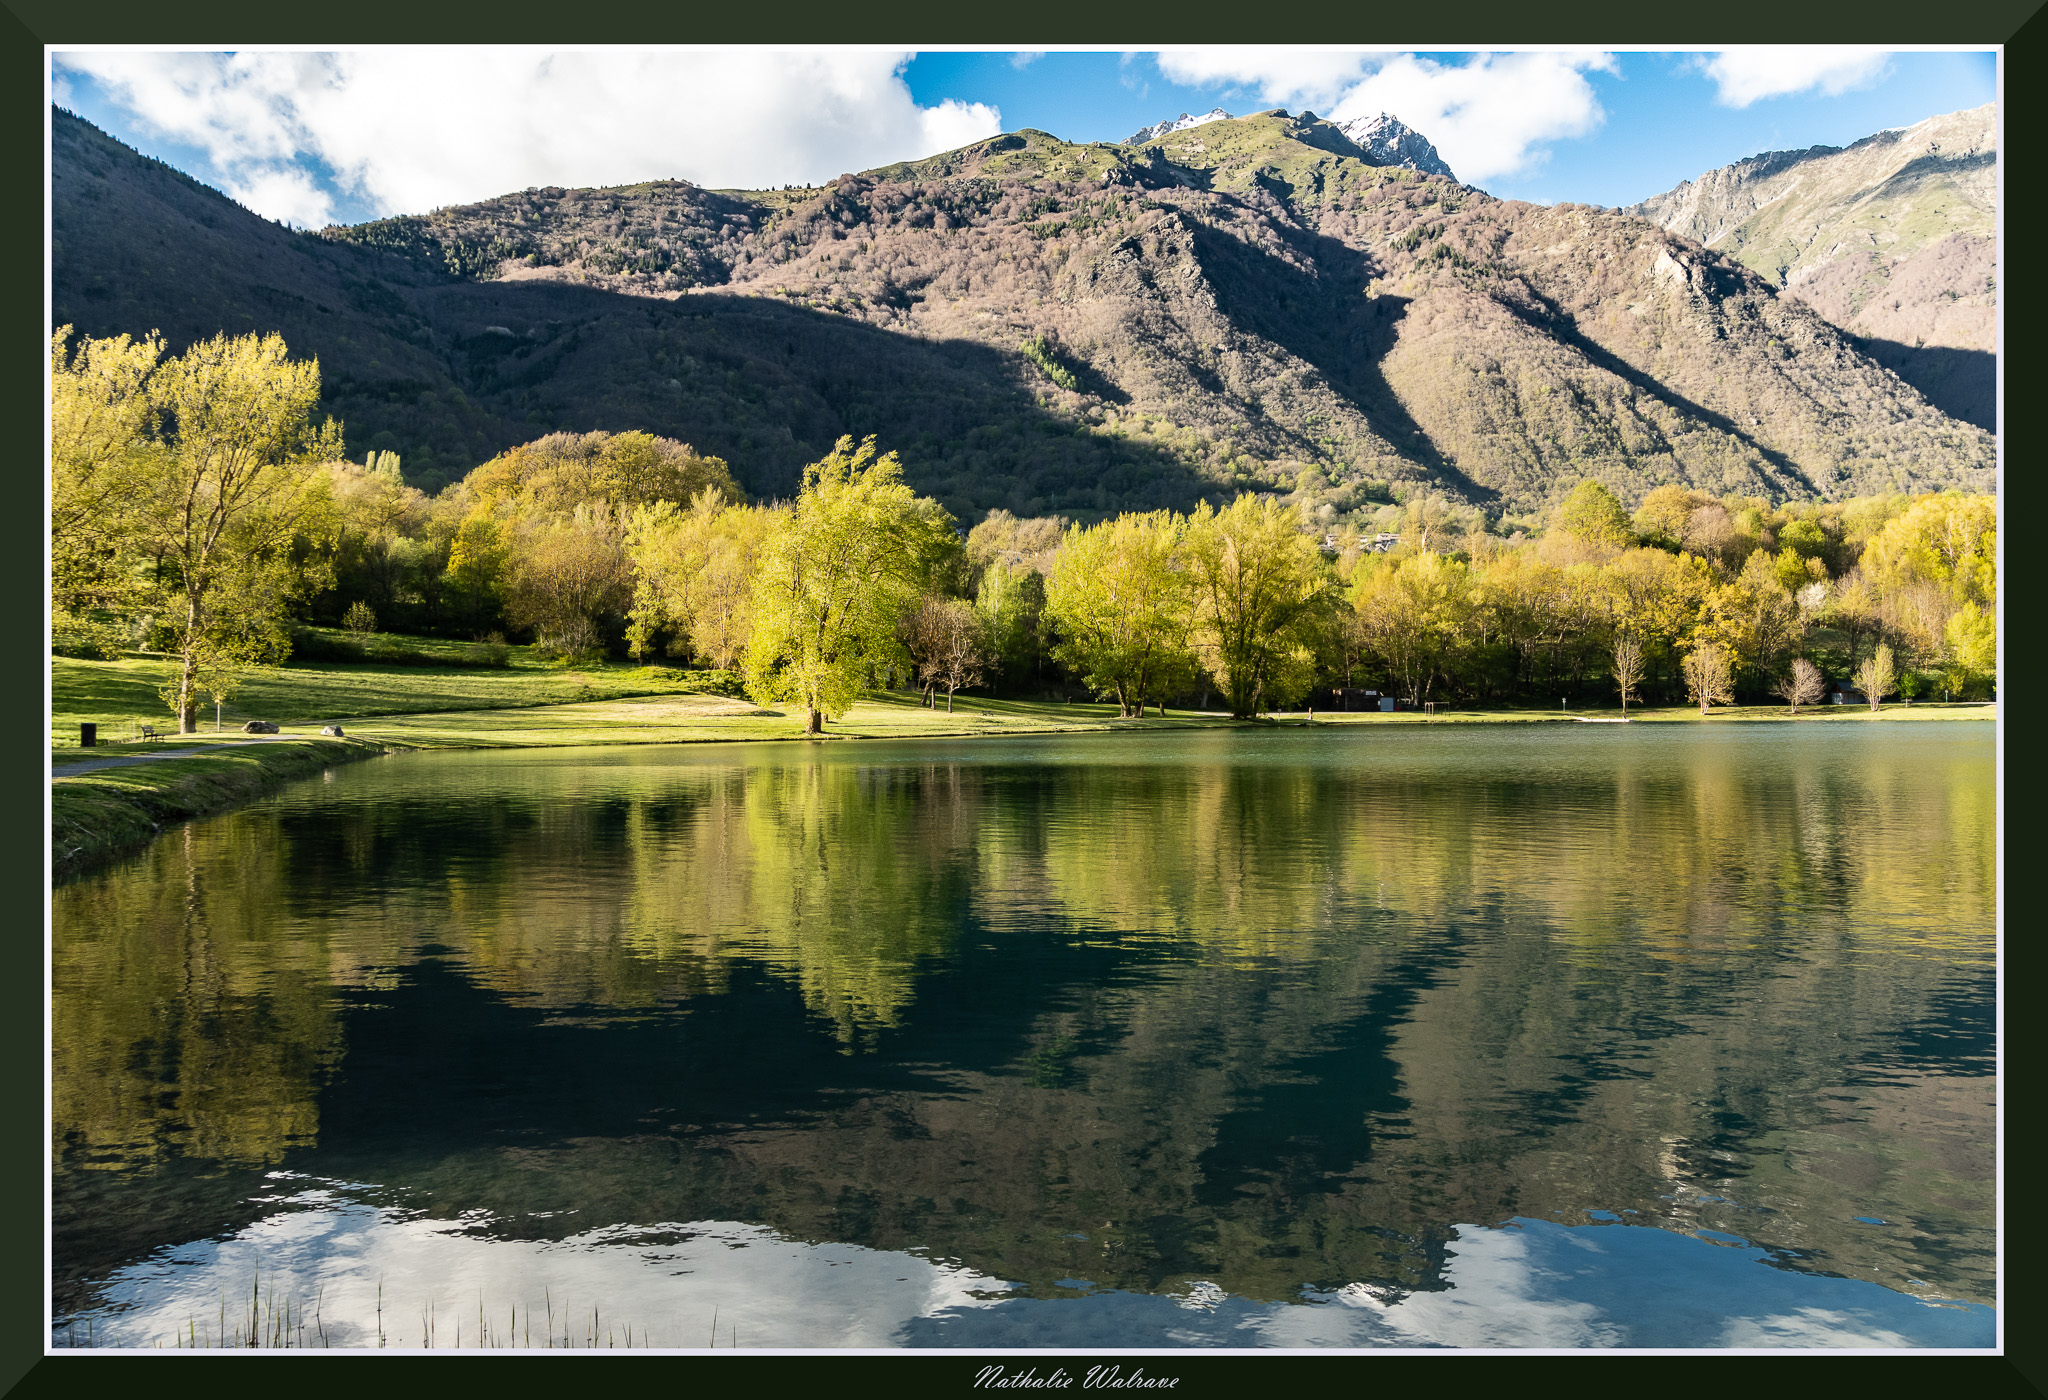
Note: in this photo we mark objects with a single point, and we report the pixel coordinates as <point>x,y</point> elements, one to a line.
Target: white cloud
<point>1291,77</point>
<point>1743,76</point>
<point>1491,115</point>
<point>411,129</point>
<point>286,193</point>
<point>1812,1328</point>
<point>1024,58</point>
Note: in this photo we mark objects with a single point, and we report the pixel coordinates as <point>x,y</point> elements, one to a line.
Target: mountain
<point>1893,239</point>
<point>1389,141</point>
<point>1183,122</point>
<point>1040,326</point>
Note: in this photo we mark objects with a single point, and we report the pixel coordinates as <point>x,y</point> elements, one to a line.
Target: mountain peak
<point>1390,141</point>
<point>1183,122</point>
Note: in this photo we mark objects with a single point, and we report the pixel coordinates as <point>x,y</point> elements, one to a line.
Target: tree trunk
<point>949,699</point>
<point>188,702</point>
<point>814,722</point>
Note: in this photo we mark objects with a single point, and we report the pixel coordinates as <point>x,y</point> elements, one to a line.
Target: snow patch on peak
<point>1387,140</point>
<point>1183,122</point>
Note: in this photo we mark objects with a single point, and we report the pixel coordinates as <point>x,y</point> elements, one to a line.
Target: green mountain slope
<point>1211,311</point>
<point>1893,239</point>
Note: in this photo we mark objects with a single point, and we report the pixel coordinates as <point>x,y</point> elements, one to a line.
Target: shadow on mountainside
<point>1559,325</point>
<point>1329,322</point>
<point>770,387</point>
<point>1961,383</point>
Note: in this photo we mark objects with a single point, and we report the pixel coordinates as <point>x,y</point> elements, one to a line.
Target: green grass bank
<point>98,815</point>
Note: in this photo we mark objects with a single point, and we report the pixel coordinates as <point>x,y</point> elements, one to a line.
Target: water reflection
<point>1258,1013</point>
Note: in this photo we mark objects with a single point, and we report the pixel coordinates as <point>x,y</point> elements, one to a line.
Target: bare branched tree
<point>1709,679</point>
<point>1801,685</point>
<point>962,651</point>
<point>1877,676</point>
<point>1628,666</point>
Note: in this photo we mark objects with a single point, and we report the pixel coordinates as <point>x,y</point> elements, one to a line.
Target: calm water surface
<point>1461,1036</point>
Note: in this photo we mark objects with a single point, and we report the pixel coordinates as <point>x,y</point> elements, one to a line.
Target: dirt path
<point>93,765</point>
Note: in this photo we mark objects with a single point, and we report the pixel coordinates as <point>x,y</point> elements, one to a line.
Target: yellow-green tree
<point>1121,599</point>
<point>1971,639</point>
<point>231,488</point>
<point>1417,611</point>
<point>1878,676</point>
<point>569,574</point>
<point>1592,514</point>
<point>104,449</point>
<point>833,582</point>
<point>693,574</point>
<point>1258,585</point>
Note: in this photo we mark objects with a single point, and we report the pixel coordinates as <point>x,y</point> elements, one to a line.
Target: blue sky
<point>314,138</point>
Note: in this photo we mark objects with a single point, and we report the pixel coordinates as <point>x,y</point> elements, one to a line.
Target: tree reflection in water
<point>1265,1012</point>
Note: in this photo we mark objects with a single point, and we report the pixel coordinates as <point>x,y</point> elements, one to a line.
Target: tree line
<point>198,509</point>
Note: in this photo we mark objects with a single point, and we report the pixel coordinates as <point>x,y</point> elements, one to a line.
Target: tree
<point>1591,513</point>
<point>569,577</point>
<point>1121,601</point>
<point>1709,679</point>
<point>833,582</point>
<point>1877,676</point>
<point>1416,611</point>
<point>1628,665</point>
<point>693,573</point>
<point>1971,638</point>
<point>104,450</point>
<point>957,646</point>
<point>1257,583</point>
<point>222,502</point>
<point>1011,603</point>
<point>1800,685</point>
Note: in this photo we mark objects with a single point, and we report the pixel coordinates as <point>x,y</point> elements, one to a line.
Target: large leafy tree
<point>693,574</point>
<point>1259,584</point>
<point>1121,599</point>
<point>1591,513</point>
<point>189,480</point>
<point>833,582</point>
<point>104,447</point>
<point>1418,610</point>
<point>235,489</point>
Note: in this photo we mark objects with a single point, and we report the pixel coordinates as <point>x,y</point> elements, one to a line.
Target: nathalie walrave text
<point>1113,1377</point>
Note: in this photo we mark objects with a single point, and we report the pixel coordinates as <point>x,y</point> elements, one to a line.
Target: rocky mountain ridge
<point>1387,140</point>
<point>1893,239</point>
<point>1246,304</point>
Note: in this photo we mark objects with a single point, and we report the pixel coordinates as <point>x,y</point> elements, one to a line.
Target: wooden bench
<point>148,731</point>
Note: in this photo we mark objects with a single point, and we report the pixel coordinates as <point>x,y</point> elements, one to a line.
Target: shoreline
<point>106,811</point>
<point>100,815</point>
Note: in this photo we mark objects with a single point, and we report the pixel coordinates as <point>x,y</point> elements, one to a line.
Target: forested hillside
<point>1042,327</point>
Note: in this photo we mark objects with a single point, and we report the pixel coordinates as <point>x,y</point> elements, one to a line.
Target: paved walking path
<point>93,765</point>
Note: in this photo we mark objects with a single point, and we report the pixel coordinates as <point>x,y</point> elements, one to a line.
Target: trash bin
<point>88,736</point>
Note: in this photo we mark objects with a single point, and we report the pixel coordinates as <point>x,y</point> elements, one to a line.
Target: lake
<point>1430,1036</point>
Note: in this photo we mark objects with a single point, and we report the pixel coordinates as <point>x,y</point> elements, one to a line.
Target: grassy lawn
<point>121,695</point>
<point>532,703</point>
<point>674,719</point>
